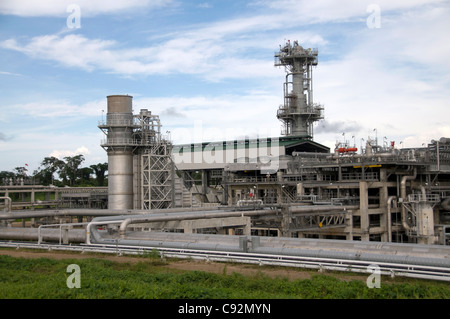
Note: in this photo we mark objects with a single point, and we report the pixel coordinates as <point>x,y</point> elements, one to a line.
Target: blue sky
<point>206,68</point>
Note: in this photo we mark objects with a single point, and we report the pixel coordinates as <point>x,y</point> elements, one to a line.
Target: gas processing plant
<point>288,188</point>
<point>382,194</point>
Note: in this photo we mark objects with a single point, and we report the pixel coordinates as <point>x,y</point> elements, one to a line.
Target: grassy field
<point>24,278</point>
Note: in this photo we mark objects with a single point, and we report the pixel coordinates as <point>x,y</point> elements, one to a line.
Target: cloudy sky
<point>206,68</point>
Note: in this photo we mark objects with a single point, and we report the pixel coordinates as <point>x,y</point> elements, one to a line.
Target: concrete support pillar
<point>204,182</point>
<point>349,222</point>
<point>300,189</point>
<point>33,196</point>
<point>230,195</point>
<point>364,210</point>
<point>188,229</point>
<point>425,224</point>
<point>383,211</point>
<point>285,222</point>
<point>248,227</point>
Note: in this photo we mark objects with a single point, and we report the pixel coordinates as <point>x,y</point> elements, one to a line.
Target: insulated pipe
<point>57,213</point>
<point>403,197</point>
<point>190,216</point>
<point>124,221</point>
<point>424,193</point>
<point>357,255</point>
<point>400,253</point>
<point>35,234</point>
<point>215,214</point>
<point>8,203</point>
<point>87,212</point>
<point>316,209</point>
<point>446,204</point>
<point>389,218</point>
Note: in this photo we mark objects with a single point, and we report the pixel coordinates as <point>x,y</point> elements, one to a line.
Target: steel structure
<point>299,112</point>
<point>140,171</point>
<point>286,186</point>
<point>119,145</point>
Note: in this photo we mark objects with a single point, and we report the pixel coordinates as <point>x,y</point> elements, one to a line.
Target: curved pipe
<point>88,212</point>
<point>364,252</point>
<point>124,221</point>
<point>389,218</point>
<point>446,204</point>
<point>8,203</point>
<point>190,216</point>
<point>215,214</point>
<point>403,197</point>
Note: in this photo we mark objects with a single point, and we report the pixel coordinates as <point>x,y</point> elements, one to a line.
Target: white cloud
<point>207,118</point>
<point>321,11</point>
<point>10,73</point>
<point>65,153</point>
<point>58,108</point>
<point>58,8</point>
<point>71,50</point>
<point>32,145</point>
<point>188,56</point>
<point>394,78</point>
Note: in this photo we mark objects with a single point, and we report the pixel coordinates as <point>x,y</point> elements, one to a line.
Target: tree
<point>21,172</point>
<point>69,172</point>
<point>6,177</point>
<point>100,170</point>
<point>85,176</point>
<point>50,166</point>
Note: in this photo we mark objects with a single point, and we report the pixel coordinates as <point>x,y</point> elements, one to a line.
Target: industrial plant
<point>276,195</point>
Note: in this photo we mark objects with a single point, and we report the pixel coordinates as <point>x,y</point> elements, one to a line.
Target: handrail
<point>60,229</point>
<point>8,203</point>
<point>360,265</point>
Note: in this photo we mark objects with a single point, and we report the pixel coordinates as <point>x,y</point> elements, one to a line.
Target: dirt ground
<point>189,265</point>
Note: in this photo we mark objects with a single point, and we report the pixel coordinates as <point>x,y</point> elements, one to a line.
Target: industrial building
<point>379,193</point>
<point>284,186</point>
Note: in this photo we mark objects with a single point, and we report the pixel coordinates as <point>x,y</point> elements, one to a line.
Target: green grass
<point>22,278</point>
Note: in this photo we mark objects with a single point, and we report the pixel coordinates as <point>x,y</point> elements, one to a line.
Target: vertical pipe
<point>403,197</point>
<point>8,203</point>
<point>389,219</point>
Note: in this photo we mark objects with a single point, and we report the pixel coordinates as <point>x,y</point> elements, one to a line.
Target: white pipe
<point>446,204</point>
<point>389,219</point>
<point>60,229</point>
<point>90,212</point>
<point>424,193</point>
<point>8,203</point>
<point>170,217</point>
<point>403,197</point>
<point>93,223</point>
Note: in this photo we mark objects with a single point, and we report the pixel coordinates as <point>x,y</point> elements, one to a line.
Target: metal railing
<point>63,230</point>
<point>433,198</point>
<point>318,263</point>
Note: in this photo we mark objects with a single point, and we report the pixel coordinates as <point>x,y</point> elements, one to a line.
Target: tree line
<point>57,172</point>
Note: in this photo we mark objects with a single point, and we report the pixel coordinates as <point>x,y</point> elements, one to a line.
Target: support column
<point>364,210</point>
<point>33,196</point>
<point>285,222</point>
<point>349,225</point>
<point>383,212</point>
